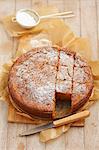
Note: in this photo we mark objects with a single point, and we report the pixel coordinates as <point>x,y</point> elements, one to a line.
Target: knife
<point>57,123</point>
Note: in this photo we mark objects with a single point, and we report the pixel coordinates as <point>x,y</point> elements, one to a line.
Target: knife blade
<point>37,129</point>
<point>57,123</point>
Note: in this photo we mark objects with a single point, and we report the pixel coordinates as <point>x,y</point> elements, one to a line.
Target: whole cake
<point>41,76</point>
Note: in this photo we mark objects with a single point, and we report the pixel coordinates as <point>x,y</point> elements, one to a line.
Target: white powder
<point>40,43</point>
<point>26,19</point>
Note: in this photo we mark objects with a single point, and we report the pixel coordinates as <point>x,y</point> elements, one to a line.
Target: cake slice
<point>64,75</point>
<point>80,94</point>
<point>82,83</point>
<point>82,74</point>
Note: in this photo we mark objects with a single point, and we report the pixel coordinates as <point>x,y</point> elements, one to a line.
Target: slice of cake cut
<point>67,59</point>
<point>80,94</point>
<point>82,74</point>
<point>82,83</point>
<point>79,61</point>
<point>64,75</point>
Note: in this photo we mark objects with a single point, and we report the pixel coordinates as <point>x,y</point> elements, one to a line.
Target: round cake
<point>41,76</point>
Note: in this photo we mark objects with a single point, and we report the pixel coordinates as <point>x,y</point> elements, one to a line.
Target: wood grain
<point>74,23</point>
<point>97,13</point>
<point>21,142</point>
<point>89,23</point>
<point>86,23</point>
<point>89,29</point>
<point>59,143</point>
<point>75,133</point>
<point>6,49</point>
<point>12,128</point>
<point>3,125</point>
<point>33,141</point>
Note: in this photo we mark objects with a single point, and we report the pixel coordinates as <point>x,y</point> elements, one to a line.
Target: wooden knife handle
<point>71,118</point>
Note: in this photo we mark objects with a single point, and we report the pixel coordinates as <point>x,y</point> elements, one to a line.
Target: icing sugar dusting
<point>36,79</point>
<point>40,43</point>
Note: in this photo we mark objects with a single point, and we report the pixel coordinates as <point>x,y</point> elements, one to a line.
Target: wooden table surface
<point>86,23</point>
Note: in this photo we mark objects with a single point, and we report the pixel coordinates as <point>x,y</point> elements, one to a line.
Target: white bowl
<point>24,14</point>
